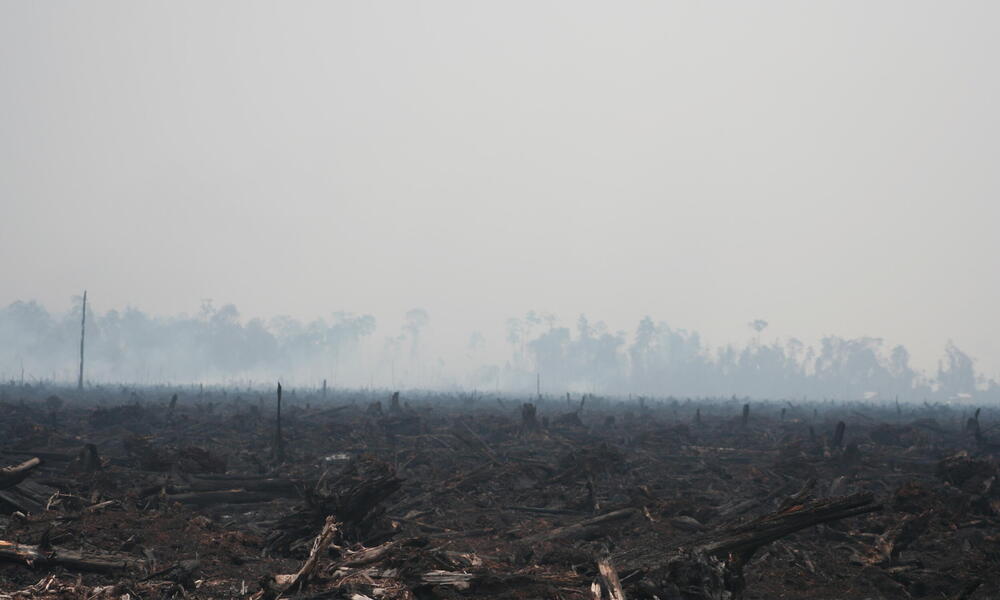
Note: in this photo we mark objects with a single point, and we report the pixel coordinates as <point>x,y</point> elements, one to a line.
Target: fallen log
<point>544,511</point>
<point>21,501</point>
<point>461,581</point>
<point>70,559</point>
<point>203,484</point>
<point>746,539</point>
<point>63,457</point>
<point>46,456</point>
<point>237,496</point>
<point>11,476</point>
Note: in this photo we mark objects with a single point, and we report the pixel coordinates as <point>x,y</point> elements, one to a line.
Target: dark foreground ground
<point>138,494</point>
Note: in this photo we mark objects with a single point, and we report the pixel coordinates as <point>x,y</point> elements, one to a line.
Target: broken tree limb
<point>282,583</point>
<point>368,555</point>
<point>11,476</point>
<point>461,581</point>
<point>184,573</point>
<point>610,579</point>
<point>477,443</point>
<point>898,537</point>
<point>581,527</point>
<point>800,496</point>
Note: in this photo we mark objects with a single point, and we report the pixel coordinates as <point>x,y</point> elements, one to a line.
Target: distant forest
<point>217,346</point>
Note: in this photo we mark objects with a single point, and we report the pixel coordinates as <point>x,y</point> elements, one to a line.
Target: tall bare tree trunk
<point>83,331</point>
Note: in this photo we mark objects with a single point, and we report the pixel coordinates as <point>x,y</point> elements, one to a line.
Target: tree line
<point>655,359</point>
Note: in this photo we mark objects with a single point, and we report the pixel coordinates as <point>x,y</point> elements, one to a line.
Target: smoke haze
<point>828,167</point>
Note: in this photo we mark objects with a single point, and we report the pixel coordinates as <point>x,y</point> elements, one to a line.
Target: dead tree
<point>83,331</point>
<point>279,442</point>
<point>838,434</point>
<point>972,426</point>
<point>89,460</point>
<point>354,498</point>
<point>529,417</point>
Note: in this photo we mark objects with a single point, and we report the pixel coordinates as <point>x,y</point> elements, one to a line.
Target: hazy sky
<point>828,166</point>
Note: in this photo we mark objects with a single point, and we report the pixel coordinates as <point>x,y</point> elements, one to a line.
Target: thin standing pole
<point>83,331</point>
<point>279,443</point>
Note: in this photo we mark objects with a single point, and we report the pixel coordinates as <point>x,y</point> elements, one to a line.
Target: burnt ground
<point>138,494</point>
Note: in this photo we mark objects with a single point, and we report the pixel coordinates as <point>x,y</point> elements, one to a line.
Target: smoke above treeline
<point>217,346</point>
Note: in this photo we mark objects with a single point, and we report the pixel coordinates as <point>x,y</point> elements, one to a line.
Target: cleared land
<point>160,493</point>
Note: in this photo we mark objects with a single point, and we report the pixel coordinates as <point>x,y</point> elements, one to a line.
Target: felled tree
<point>711,568</point>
